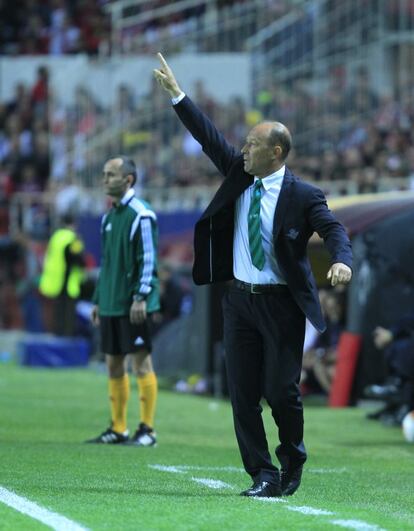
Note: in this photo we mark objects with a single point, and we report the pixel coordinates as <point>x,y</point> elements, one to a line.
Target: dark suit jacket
<point>301,210</point>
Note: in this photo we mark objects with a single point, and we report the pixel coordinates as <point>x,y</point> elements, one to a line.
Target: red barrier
<point>346,360</point>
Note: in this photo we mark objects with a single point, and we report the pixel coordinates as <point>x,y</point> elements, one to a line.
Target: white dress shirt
<point>243,268</point>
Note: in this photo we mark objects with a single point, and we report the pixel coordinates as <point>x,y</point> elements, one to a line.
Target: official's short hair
<point>128,167</point>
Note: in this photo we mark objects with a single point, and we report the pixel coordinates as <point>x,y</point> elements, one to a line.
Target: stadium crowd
<point>36,136</point>
<point>348,132</point>
<point>29,27</point>
<point>374,141</point>
<point>56,27</point>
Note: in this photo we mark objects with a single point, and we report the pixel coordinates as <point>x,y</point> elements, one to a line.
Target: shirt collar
<point>273,179</point>
<point>129,194</point>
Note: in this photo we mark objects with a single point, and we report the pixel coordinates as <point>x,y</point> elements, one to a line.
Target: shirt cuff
<point>178,98</point>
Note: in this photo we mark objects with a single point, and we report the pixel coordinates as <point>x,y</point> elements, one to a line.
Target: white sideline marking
<point>213,483</point>
<point>174,469</point>
<point>271,500</point>
<point>49,518</point>
<point>183,469</point>
<point>309,510</point>
<point>357,524</point>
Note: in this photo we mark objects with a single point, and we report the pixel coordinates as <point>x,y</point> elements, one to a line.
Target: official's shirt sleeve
<point>146,256</point>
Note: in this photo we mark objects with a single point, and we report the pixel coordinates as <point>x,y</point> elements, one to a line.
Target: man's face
<point>115,183</point>
<point>258,154</point>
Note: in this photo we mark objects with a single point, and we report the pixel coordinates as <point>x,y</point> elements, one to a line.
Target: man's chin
<point>111,195</point>
<point>247,169</point>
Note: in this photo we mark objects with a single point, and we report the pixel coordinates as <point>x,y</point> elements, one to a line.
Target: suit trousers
<point>263,341</point>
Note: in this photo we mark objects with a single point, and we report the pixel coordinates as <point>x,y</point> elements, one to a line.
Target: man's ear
<point>277,153</point>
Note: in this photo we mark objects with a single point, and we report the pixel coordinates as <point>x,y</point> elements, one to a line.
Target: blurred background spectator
<point>397,346</point>
<point>320,357</point>
<point>62,276</point>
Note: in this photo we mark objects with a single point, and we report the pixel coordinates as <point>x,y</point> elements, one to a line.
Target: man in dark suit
<point>255,232</point>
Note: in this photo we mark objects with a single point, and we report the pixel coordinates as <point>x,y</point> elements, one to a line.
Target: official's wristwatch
<point>138,297</point>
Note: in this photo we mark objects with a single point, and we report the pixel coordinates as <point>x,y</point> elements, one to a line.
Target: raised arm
<point>214,145</point>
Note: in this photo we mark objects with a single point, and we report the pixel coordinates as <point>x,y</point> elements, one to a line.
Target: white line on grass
<point>25,506</point>
<point>173,469</point>
<point>357,524</point>
<point>272,500</point>
<point>183,469</point>
<point>213,483</point>
<point>311,511</point>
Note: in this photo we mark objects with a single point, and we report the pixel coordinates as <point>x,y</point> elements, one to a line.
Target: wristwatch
<point>138,297</point>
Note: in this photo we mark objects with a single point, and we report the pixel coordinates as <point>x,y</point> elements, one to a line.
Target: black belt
<point>258,289</point>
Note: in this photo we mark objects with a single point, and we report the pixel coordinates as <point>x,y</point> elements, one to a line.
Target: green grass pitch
<point>360,475</point>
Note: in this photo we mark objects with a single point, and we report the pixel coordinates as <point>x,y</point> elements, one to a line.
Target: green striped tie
<point>255,233</point>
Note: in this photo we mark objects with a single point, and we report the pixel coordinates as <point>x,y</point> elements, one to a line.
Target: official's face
<point>115,183</point>
<point>258,155</point>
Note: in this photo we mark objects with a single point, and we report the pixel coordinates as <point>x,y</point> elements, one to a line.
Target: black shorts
<point>119,336</point>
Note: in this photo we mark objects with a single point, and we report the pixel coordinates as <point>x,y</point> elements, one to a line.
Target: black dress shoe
<point>290,479</point>
<point>264,489</point>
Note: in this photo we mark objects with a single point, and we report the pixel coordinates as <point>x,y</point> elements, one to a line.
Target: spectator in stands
<point>70,197</point>
<point>173,291</point>
<point>361,97</point>
<point>65,38</point>
<point>62,276</point>
<point>28,283</point>
<point>40,91</point>
<point>397,344</point>
<point>319,361</point>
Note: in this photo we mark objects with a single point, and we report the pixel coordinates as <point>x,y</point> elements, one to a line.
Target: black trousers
<point>263,341</point>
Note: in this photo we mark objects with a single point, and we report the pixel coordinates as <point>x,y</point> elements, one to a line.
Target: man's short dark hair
<point>281,137</point>
<point>128,168</point>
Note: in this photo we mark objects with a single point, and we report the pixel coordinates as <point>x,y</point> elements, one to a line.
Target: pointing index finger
<point>162,60</point>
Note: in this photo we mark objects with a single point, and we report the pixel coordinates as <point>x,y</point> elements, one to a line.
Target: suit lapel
<point>282,203</point>
<point>232,187</point>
